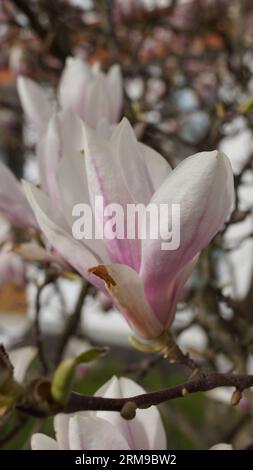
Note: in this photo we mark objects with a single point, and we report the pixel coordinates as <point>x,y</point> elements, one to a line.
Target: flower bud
<point>235,398</point>
<point>128,410</point>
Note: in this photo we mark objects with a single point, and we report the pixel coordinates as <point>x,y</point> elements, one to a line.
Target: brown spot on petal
<point>82,152</point>
<point>102,272</point>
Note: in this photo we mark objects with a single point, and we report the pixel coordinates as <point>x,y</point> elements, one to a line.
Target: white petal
<point>48,153</point>
<point>97,104</point>
<point>73,187</point>
<point>71,132</point>
<point>146,430</point>
<point>35,102</point>
<point>175,293</point>
<point>158,168</point>
<point>73,86</point>
<point>61,426</point>
<point>91,433</point>
<point>115,90</point>
<point>104,129</point>
<point>13,203</point>
<point>203,187</point>
<point>21,359</point>
<point>58,233</point>
<point>106,179</point>
<point>126,290</point>
<point>127,151</point>
<point>42,442</point>
<point>64,136</point>
<point>221,447</point>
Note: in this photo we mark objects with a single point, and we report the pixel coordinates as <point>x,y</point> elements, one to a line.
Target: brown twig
<point>37,329</point>
<point>200,383</point>
<point>72,322</point>
<point>15,430</point>
<point>59,48</point>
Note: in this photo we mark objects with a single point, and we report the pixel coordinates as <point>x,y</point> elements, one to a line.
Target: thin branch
<point>201,383</point>
<point>15,430</point>
<point>37,329</point>
<point>72,322</point>
<point>59,48</point>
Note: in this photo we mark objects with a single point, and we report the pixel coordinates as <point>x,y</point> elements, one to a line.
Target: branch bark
<point>61,49</point>
<point>201,383</point>
<point>72,323</point>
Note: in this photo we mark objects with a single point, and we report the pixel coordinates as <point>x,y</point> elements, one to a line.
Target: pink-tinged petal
<point>73,85</point>
<point>146,430</point>
<point>126,148</point>
<point>97,104</point>
<point>127,292</point>
<point>13,203</point>
<point>73,188</point>
<point>35,102</point>
<point>115,90</point>
<point>104,129</point>
<point>174,293</point>
<point>55,228</point>
<point>61,427</point>
<point>158,168</point>
<point>63,136</point>
<point>48,153</point>
<point>203,187</point>
<point>71,132</point>
<point>21,359</point>
<point>106,179</point>
<point>91,433</point>
<point>40,441</point>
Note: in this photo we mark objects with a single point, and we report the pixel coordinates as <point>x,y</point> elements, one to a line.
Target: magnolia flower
<point>143,281</point>
<point>93,96</point>
<point>105,430</point>
<point>63,136</point>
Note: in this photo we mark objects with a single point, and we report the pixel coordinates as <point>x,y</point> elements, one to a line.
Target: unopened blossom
<point>106,430</point>
<point>83,89</point>
<point>96,97</point>
<point>143,281</point>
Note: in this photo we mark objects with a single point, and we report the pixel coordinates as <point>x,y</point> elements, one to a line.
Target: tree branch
<point>61,49</point>
<point>37,331</point>
<point>201,383</point>
<point>72,322</point>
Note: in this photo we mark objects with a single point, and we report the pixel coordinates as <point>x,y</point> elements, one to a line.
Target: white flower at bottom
<point>106,430</point>
<point>221,446</point>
